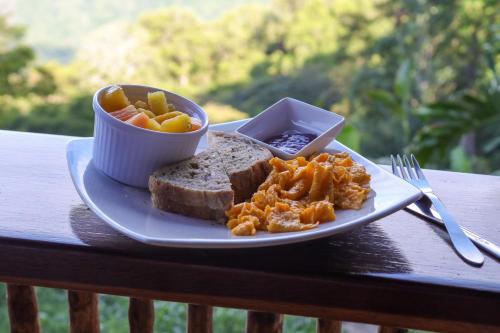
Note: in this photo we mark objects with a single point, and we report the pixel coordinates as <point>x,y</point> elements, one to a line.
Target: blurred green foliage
<point>57,28</point>
<point>415,75</point>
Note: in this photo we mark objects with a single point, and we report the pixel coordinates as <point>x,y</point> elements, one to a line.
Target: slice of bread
<point>245,162</point>
<point>196,187</point>
<point>208,184</point>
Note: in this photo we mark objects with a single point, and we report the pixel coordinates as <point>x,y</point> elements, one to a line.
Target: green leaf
<point>459,161</point>
<point>491,145</point>
<point>351,137</point>
<point>402,85</point>
<point>385,98</point>
<point>446,105</point>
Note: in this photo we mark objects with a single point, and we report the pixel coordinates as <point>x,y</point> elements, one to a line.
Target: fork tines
<point>403,168</point>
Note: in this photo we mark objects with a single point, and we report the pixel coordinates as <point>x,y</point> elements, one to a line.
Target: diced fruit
<point>177,124</point>
<point>126,113</point>
<point>147,112</point>
<point>161,118</point>
<point>153,125</point>
<point>195,123</point>
<point>141,105</point>
<point>155,114</point>
<point>157,102</point>
<point>139,120</point>
<point>114,99</point>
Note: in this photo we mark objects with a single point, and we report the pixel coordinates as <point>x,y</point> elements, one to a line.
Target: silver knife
<point>424,209</point>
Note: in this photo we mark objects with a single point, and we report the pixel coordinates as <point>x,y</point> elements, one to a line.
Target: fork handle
<point>461,243</point>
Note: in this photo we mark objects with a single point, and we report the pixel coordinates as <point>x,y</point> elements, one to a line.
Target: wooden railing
<point>84,315</point>
<point>399,271</point>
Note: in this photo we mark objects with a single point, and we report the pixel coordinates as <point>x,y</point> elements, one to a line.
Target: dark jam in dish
<point>291,141</point>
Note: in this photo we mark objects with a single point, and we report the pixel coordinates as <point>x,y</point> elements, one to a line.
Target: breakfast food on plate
<point>299,194</point>
<point>114,99</point>
<point>285,196</point>
<point>196,187</point>
<point>156,115</point>
<point>207,185</point>
<point>245,162</point>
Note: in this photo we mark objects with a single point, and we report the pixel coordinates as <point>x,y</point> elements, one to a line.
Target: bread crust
<point>245,182</point>
<point>164,203</point>
<point>221,199</point>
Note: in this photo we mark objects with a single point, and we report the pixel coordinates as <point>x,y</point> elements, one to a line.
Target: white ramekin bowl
<point>129,154</point>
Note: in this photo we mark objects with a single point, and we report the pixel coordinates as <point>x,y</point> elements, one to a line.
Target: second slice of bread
<point>245,162</point>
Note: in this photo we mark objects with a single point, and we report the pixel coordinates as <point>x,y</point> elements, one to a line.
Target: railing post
<point>141,315</point>
<point>83,312</point>
<point>264,322</point>
<point>199,319</point>
<point>328,326</point>
<point>23,309</point>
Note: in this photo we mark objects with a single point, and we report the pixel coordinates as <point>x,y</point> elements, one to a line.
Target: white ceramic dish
<point>130,154</point>
<point>129,209</point>
<point>291,114</point>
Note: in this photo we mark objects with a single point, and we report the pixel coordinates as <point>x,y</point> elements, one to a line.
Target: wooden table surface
<point>397,270</point>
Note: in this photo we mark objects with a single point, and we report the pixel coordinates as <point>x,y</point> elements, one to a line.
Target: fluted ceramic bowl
<point>129,154</point>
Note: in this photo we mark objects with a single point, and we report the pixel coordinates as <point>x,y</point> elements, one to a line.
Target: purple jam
<point>291,141</point>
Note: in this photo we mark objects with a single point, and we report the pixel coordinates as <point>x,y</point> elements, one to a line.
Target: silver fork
<point>461,243</point>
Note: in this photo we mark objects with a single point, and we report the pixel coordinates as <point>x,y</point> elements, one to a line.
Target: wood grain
<point>199,319</point>
<point>386,329</point>
<point>83,312</point>
<point>264,322</point>
<point>395,270</point>
<point>141,315</point>
<point>23,309</point>
<point>328,326</point>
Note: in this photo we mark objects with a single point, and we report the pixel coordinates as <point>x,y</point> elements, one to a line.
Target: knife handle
<point>431,215</point>
<point>462,244</point>
<point>483,243</point>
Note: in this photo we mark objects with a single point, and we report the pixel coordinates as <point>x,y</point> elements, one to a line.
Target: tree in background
<point>409,75</point>
<point>21,82</point>
<point>27,92</point>
<point>18,76</point>
<point>445,51</point>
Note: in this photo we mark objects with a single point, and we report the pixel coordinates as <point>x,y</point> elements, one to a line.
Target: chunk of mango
<point>153,125</point>
<point>114,99</point>
<point>167,115</point>
<point>178,124</point>
<point>158,102</point>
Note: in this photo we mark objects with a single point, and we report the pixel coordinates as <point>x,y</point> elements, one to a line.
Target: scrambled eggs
<point>299,194</point>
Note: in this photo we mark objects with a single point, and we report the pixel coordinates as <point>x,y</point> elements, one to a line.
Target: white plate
<point>129,209</point>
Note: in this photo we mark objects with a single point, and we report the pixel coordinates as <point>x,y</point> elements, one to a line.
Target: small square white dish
<point>129,210</point>
<point>289,114</point>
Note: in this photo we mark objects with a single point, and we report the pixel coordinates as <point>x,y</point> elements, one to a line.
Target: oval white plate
<point>129,209</point>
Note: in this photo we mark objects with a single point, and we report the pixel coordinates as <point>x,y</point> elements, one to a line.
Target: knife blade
<point>423,208</point>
